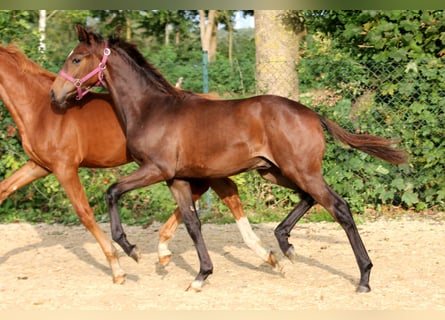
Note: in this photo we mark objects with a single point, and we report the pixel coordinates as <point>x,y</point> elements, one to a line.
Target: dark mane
<point>24,63</point>
<point>135,57</point>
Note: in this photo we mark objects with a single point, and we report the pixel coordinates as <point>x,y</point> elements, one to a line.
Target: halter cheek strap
<point>98,70</point>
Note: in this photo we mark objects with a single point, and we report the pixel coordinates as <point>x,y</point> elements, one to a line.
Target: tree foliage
<point>396,59</point>
<point>44,200</point>
<point>380,72</point>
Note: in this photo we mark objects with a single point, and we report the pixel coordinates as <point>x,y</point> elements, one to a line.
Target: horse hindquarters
<point>302,166</point>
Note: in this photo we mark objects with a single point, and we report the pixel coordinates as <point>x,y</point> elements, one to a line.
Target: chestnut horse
<point>87,135</point>
<point>175,135</point>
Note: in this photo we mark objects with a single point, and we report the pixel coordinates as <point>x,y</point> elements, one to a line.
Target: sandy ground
<point>48,267</point>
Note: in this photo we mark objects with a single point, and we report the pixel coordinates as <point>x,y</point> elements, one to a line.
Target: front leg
<point>167,230</point>
<point>117,230</point>
<point>182,193</point>
<point>69,180</point>
<point>143,176</point>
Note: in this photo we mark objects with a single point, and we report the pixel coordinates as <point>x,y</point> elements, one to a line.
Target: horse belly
<point>220,166</point>
<point>98,152</point>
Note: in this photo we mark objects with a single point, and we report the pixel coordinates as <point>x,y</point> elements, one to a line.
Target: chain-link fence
<point>403,100</point>
<point>394,100</point>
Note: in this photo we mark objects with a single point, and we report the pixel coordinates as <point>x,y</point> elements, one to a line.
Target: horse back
<point>223,137</point>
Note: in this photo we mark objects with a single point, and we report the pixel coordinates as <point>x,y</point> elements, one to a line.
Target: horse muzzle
<point>60,98</point>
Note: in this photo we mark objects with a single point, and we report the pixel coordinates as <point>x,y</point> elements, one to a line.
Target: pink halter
<point>99,69</point>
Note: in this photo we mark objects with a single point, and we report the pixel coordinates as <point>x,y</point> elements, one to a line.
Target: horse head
<point>82,70</point>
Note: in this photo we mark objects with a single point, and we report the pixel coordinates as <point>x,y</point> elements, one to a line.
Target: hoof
<point>119,279</point>
<point>135,254</point>
<point>290,254</point>
<point>272,260</point>
<point>164,254</point>
<point>363,289</point>
<point>165,260</point>
<point>195,286</point>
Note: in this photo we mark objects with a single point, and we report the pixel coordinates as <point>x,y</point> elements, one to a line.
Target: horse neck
<point>25,94</point>
<point>130,89</point>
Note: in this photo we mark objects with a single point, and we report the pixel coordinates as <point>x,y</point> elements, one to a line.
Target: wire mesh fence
<point>397,100</point>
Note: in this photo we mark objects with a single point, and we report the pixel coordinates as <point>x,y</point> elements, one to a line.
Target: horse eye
<point>76,60</point>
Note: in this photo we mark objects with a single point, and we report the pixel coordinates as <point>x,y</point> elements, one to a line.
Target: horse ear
<point>82,33</point>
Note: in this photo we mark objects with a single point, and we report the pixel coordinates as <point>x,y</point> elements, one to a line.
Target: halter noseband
<point>98,70</point>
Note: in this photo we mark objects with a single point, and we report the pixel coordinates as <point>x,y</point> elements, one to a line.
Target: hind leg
<point>166,234</point>
<point>339,209</point>
<point>316,190</point>
<point>228,192</point>
<point>282,231</point>
<point>25,175</point>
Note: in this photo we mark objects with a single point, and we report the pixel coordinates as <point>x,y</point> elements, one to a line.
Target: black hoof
<point>135,253</point>
<point>363,289</point>
<point>290,253</point>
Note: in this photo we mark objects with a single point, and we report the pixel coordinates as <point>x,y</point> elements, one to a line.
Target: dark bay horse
<point>86,135</point>
<point>177,135</point>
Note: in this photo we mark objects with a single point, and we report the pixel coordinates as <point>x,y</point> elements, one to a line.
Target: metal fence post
<point>205,89</point>
<point>205,72</point>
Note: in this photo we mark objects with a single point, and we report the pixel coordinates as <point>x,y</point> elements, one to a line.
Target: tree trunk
<point>177,37</point>
<point>208,31</point>
<point>277,44</point>
<point>230,36</point>
<point>127,28</point>
<point>166,35</point>
<point>42,31</point>
<point>213,42</point>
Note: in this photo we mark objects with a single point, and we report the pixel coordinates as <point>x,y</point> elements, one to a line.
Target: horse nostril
<point>52,95</point>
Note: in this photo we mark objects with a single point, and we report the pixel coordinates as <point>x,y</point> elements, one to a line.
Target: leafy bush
<point>370,71</point>
<point>401,103</point>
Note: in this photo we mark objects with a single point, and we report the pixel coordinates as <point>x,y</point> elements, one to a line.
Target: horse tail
<point>375,146</point>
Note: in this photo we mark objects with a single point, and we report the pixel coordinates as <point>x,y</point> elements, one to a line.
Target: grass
<point>140,215</point>
<point>137,217</point>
